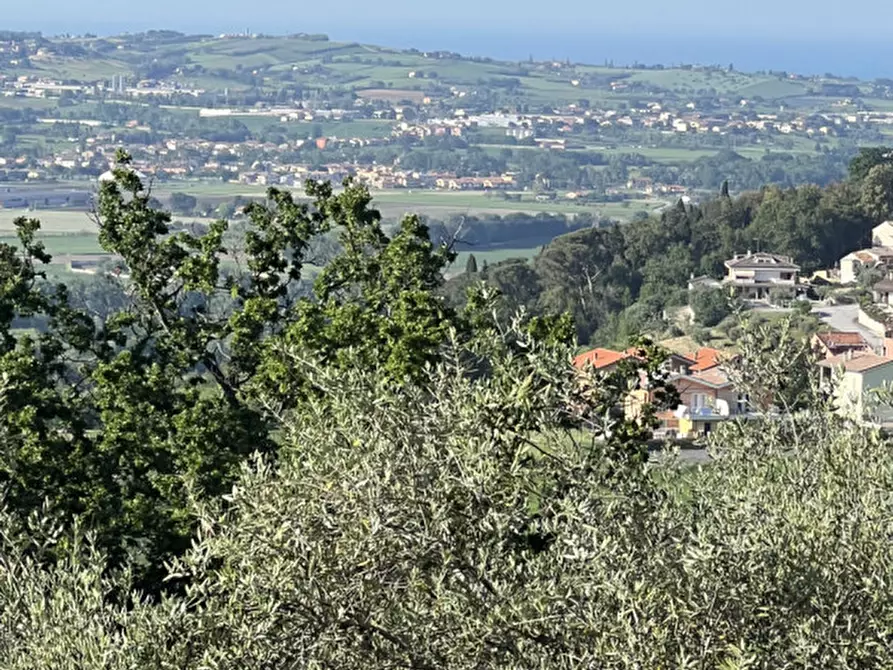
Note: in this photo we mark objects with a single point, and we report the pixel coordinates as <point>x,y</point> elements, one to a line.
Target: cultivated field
<point>51,221</point>
<point>437,204</point>
<point>65,245</point>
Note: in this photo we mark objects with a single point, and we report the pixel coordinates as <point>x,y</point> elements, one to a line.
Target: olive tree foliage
<point>774,367</point>
<point>484,521</point>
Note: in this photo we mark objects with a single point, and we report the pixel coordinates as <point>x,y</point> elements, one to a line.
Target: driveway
<point>845,318</point>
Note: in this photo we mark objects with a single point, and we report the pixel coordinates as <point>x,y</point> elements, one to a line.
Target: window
<point>698,401</point>
<point>743,402</point>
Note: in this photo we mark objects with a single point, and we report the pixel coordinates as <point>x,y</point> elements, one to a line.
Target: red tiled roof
<point>705,358</point>
<point>835,339</point>
<point>599,358</point>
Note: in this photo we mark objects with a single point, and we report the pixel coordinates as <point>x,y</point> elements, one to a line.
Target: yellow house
<point>707,396</point>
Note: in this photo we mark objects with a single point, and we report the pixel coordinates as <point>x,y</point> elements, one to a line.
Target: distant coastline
<point>847,56</point>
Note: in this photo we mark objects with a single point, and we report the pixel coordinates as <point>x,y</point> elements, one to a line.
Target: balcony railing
<point>721,411</point>
<point>749,281</point>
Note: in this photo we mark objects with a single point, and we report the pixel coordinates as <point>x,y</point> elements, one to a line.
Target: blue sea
<point>846,57</point>
<point>865,57</point>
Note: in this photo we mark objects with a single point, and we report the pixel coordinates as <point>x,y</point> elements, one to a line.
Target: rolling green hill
<point>314,62</point>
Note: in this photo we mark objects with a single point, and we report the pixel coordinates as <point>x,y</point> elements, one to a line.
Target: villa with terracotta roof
<point>707,396</point>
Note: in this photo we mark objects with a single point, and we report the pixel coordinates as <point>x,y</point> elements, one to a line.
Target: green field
<point>442,203</point>
<point>396,203</point>
<point>61,246</point>
<point>433,202</point>
<point>51,221</point>
<point>85,244</point>
<point>670,155</point>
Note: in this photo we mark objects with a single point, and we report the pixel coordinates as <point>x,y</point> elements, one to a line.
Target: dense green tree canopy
<point>121,415</point>
<point>596,273</point>
<point>482,521</point>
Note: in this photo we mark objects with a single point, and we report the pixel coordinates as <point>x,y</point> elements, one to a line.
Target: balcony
<point>751,281</point>
<point>718,412</point>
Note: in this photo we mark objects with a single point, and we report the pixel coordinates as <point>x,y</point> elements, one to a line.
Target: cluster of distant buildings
<point>31,86</point>
<point>848,364</point>
<point>657,116</point>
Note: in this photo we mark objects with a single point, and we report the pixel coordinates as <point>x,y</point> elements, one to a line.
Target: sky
<point>799,35</point>
<point>796,18</point>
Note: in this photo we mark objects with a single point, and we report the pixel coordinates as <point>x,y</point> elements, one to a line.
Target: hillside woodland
<point>229,471</point>
<point>617,281</point>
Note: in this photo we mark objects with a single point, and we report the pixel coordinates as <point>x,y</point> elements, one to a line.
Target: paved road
<point>687,456</point>
<point>844,317</point>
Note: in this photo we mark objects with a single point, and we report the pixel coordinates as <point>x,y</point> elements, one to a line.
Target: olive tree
<point>431,527</point>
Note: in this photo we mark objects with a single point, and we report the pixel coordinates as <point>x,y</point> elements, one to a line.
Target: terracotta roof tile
<point>705,358</point>
<point>865,256</point>
<point>835,339</point>
<point>599,358</point>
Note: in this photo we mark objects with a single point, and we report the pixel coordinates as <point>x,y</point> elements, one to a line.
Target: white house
<point>852,263</point>
<point>857,374</point>
<point>753,275</point>
<point>882,235</point>
<point>879,255</point>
